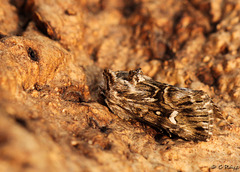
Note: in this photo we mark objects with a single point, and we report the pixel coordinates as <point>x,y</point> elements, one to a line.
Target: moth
<point>179,111</point>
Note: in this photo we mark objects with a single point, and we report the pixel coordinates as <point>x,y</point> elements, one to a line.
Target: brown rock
<point>8,19</point>
<point>52,54</point>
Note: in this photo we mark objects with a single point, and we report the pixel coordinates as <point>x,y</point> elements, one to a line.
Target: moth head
<point>133,76</point>
<point>122,80</point>
<point>109,78</point>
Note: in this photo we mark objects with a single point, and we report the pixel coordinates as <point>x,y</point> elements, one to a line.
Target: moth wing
<point>189,113</point>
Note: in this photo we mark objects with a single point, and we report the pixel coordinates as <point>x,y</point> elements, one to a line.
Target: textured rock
<point>8,19</point>
<point>52,54</point>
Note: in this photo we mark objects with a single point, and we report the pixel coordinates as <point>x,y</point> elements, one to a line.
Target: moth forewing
<point>184,112</point>
<point>193,113</point>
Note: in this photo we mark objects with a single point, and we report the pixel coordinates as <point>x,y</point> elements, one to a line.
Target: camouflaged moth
<point>181,111</point>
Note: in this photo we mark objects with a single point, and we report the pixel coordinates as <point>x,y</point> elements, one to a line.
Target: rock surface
<point>52,54</point>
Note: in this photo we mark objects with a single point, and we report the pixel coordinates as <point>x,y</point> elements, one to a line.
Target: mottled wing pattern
<point>191,112</point>
<point>180,111</point>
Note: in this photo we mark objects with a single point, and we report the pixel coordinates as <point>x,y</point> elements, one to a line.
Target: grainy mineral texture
<point>52,54</point>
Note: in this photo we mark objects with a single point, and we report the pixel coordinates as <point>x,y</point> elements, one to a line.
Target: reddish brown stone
<point>52,53</point>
